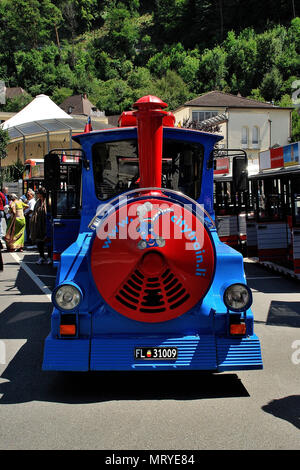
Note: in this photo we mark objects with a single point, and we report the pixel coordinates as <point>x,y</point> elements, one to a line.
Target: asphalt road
<point>121,411</point>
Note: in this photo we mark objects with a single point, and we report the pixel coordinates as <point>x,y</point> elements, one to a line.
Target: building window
<point>255,135</point>
<point>199,116</point>
<point>244,135</point>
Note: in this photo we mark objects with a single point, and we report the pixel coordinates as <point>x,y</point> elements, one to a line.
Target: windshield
<point>116,167</point>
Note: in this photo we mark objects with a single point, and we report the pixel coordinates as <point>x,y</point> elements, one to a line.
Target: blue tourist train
<point>143,280</point>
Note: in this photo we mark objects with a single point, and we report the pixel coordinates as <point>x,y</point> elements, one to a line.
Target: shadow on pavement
<point>22,281</point>
<point>287,408</point>
<point>282,313</point>
<point>276,283</point>
<point>26,381</point>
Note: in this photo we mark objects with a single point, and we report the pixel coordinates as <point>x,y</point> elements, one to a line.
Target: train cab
<point>147,284</point>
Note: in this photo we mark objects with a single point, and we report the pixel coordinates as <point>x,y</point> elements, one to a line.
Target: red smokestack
<point>149,116</point>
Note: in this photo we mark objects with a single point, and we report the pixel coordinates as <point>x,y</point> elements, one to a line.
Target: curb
<point>276,268</point>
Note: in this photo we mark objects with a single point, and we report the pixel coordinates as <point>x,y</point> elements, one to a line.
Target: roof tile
<point>219,98</point>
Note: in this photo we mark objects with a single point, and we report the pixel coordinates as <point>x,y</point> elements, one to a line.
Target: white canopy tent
<point>41,108</point>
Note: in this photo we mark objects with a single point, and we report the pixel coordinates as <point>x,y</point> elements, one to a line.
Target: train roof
<point>292,169</point>
<point>87,135</point>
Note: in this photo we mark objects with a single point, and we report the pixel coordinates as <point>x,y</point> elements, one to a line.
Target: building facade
<point>245,123</point>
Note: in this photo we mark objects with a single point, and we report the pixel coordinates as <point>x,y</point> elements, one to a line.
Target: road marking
<point>33,276</point>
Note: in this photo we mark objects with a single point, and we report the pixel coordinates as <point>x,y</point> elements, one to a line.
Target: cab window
<point>116,167</point>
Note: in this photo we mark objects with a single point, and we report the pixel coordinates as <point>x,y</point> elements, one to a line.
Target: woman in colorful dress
<point>15,232</point>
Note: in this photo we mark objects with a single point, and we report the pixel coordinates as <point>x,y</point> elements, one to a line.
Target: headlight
<point>67,297</point>
<point>237,297</point>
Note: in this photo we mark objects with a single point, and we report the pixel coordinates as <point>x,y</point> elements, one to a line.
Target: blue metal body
<point>106,339</point>
<point>63,233</point>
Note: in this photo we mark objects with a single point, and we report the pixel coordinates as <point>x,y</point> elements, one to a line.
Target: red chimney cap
<point>148,102</point>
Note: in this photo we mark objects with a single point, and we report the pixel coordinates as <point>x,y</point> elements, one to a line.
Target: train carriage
<point>230,199</point>
<point>33,176</point>
<point>148,285</point>
<point>274,215</point>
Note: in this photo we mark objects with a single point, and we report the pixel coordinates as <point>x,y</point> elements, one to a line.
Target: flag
<point>88,126</point>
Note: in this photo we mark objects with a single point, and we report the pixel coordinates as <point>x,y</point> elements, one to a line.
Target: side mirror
<point>52,171</point>
<point>239,173</point>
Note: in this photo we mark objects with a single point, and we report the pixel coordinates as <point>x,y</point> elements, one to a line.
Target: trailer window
<point>251,201</point>
<point>270,199</point>
<point>226,201</point>
<point>116,167</point>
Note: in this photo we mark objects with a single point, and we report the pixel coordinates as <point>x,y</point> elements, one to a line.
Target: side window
<point>244,139</point>
<point>199,116</point>
<point>115,166</point>
<point>255,135</point>
<point>69,193</point>
<point>182,167</point>
<point>270,199</point>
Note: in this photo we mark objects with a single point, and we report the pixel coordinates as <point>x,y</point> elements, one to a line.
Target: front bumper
<point>205,352</point>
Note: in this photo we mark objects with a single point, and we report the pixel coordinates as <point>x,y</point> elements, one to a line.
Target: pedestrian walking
<point>2,216</point>
<point>15,232</point>
<point>28,214</point>
<point>38,227</point>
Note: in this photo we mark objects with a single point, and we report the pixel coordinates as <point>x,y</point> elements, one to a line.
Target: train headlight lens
<point>67,297</point>
<point>237,297</point>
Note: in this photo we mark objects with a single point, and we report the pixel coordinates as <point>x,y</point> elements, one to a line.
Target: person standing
<point>15,232</point>
<point>28,214</point>
<point>5,192</point>
<point>6,207</point>
<point>38,230</point>
<point>1,260</point>
<point>2,216</point>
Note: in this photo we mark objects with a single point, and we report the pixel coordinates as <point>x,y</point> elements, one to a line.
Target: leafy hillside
<point>117,51</point>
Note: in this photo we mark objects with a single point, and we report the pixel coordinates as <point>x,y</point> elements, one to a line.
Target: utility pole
<point>57,36</point>
<point>294,10</point>
<point>221,18</point>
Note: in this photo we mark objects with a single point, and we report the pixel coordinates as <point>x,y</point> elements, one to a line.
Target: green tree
<point>286,101</point>
<point>271,85</point>
<point>30,23</point>
<point>168,20</point>
<point>212,70</point>
<point>114,96</point>
<point>14,105</point>
<point>172,90</point>
<point>256,95</point>
<point>122,30</point>
<point>241,52</point>
<point>4,139</point>
<point>269,48</point>
<point>60,94</point>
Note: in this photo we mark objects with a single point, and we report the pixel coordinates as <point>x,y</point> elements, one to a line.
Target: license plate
<point>161,353</point>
